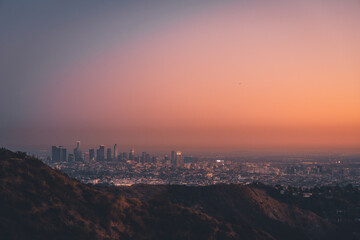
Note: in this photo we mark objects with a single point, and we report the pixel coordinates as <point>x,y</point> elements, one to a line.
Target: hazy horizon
<point>194,75</point>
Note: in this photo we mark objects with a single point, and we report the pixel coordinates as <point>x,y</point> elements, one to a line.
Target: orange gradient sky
<point>236,74</point>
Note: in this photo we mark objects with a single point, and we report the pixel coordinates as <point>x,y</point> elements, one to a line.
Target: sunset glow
<point>231,74</point>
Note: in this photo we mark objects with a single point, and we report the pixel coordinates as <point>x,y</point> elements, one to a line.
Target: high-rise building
<point>63,155</point>
<point>179,159</point>
<point>124,156</point>
<point>97,154</point>
<point>115,152</point>
<point>77,152</point>
<point>55,153</point>
<point>173,159</point>
<point>108,154</point>
<point>58,154</point>
<point>132,154</point>
<point>176,159</point>
<point>101,153</point>
<point>91,154</point>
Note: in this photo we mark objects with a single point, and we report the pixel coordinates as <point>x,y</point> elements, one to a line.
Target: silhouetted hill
<point>38,202</point>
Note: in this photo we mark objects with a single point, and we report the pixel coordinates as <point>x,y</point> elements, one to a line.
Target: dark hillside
<point>37,202</point>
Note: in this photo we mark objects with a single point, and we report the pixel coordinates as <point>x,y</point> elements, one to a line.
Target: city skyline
<point>59,155</point>
<point>304,170</point>
<point>180,119</point>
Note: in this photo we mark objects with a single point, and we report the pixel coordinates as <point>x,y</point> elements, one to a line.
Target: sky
<point>192,74</point>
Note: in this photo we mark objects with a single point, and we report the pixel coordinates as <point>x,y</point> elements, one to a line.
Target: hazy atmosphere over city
<point>180,119</point>
<point>195,74</point>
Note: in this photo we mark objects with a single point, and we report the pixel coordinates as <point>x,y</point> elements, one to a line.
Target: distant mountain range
<point>38,202</point>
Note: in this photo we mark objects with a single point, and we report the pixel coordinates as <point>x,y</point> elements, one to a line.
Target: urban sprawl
<point>127,168</point>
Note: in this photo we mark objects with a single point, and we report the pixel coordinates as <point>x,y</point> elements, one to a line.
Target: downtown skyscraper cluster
<point>100,154</point>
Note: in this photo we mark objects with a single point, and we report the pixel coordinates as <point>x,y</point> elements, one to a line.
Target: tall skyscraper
<point>63,155</point>
<point>108,154</point>
<point>58,154</point>
<point>101,153</point>
<point>179,159</point>
<point>132,154</point>
<point>77,152</point>
<point>97,155</point>
<point>55,153</point>
<point>176,159</point>
<point>173,159</point>
<point>91,154</point>
<point>115,152</point>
